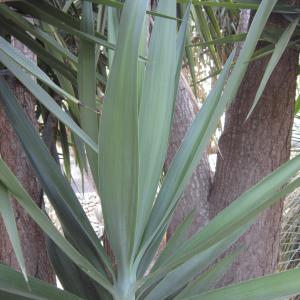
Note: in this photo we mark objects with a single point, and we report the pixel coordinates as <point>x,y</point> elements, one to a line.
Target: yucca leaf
<point>71,215</point>
<point>277,286</point>
<point>38,49</point>
<point>213,74</point>
<point>199,134</point>
<point>180,42</point>
<point>279,8</point>
<point>49,14</point>
<point>267,50</point>
<point>67,85</point>
<point>65,149</point>
<point>13,286</point>
<point>156,106</point>
<point>192,248</point>
<point>44,98</point>
<point>262,195</point>
<point>112,27</point>
<point>145,259</point>
<point>178,237</point>
<point>79,152</point>
<point>160,209</point>
<point>278,51</point>
<point>31,67</point>
<point>12,184</point>
<point>179,277</point>
<point>209,279</point>
<point>18,19</point>
<point>144,52</point>
<point>213,19</point>
<point>87,85</point>
<point>205,32</point>
<point>191,61</point>
<point>71,277</point>
<point>118,139</point>
<point>48,9</point>
<point>117,4</point>
<point>221,41</point>
<point>8,217</point>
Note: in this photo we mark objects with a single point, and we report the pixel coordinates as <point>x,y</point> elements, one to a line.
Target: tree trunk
<point>250,150</point>
<point>196,193</point>
<point>31,236</point>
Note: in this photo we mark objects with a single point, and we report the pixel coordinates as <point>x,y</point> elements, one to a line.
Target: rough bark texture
<point>197,191</point>
<point>32,238</point>
<point>251,150</point>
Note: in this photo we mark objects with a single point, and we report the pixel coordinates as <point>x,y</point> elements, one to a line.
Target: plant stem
<point>125,285</point>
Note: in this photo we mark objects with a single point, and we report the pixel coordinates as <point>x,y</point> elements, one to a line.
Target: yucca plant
<point>126,149</point>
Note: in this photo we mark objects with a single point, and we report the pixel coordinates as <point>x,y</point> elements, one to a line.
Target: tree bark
<point>250,150</point>
<point>197,191</point>
<point>31,236</point>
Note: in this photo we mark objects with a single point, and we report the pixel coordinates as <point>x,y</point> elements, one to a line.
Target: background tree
<point>195,197</point>
<point>31,236</point>
<point>251,149</point>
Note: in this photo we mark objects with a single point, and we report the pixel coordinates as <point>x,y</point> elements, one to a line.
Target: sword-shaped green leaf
<point>273,287</point>
<point>156,108</point>
<point>8,217</point>
<point>16,189</point>
<point>13,287</point>
<point>210,278</point>
<point>48,13</point>
<point>44,98</point>
<point>199,134</point>
<point>118,139</point>
<point>181,37</point>
<point>31,67</point>
<point>68,209</point>
<point>87,85</point>
<point>280,47</point>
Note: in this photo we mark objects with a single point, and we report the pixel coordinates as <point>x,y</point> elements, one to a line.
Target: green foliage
<point>126,148</point>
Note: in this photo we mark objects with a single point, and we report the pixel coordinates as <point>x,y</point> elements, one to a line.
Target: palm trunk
<point>252,149</point>
<point>32,238</point>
